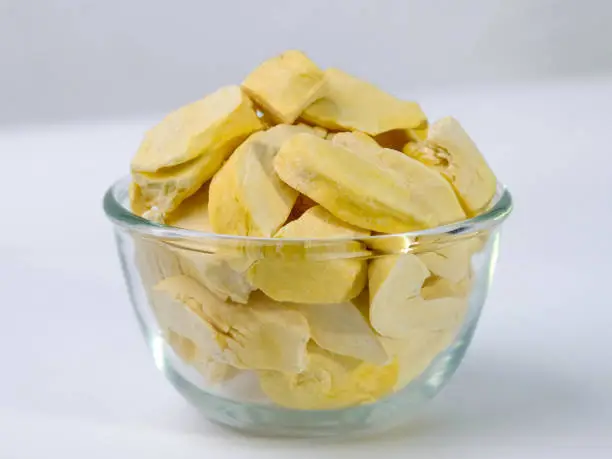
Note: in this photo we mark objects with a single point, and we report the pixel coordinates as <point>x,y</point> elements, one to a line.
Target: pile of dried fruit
<point>298,152</point>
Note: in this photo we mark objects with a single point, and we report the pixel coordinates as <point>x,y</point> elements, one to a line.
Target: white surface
<point>77,380</point>
<point>71,58</point>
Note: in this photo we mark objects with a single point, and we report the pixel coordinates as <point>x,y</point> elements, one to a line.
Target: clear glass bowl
<point>254,371</point>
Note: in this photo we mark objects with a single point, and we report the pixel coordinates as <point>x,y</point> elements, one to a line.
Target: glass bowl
<point>231,322</point>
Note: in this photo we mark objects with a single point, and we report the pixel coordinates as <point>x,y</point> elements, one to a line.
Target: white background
<point>78,85</point>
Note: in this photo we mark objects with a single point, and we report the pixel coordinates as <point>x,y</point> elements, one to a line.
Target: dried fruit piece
<point>354,105</point>
<point>316,130</point>
<point>192,214</point>
<point>341,328</point>
<point>384,191</point>
<point>330,381</point>
<point>449,150</point>
<point>184,318</point>
<point>198,129</point>
<point>451,262</point>
<point>217,274</point>
<point>289,276</point>
<point>285,85</point>
<point>416,352</point>
<point>163,187</point>
<point>188,352</point>
<point>262,335</point>
<point>155,261</point>
<point>246,196</point>
<point>357,142</point>
<point>163,191</point>
<point>137,205</point>
<point>440,287</point>
<point>396,305</point>
<point>212,270</point>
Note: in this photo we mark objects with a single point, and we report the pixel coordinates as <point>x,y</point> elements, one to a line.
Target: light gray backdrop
<point>67,59</point>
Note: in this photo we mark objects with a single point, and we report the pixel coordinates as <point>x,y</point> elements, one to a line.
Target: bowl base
<point>267,420</point>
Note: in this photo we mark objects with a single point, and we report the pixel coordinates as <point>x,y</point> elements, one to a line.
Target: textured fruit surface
<point>381,190</point>
<point>186,149</point>
<point>450,150</point>
<point>285,85</point>
<point>341,328</point>
<point>246,196</point>
<point>351,104</point>
<point>262,335</point>
<point>215,271</point>
<point>197,129</point>
<point>416,352</point>
<point>188,352</point>
<point>451,262</point>
<point>397,307</point>
<point>297,279</point>
<point>330,381</point>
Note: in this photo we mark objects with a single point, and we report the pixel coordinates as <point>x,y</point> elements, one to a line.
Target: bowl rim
<point>499,209</point>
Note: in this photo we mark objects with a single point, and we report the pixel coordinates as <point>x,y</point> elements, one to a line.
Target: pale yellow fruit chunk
<point>449,150</point>
<point>246,196</point>
<point>198,129</point>
<point>184,318</point>
<point>451,262</point>
<point>316,130</point>
<point>189,353</point>
<point>341,328</point>
<point>440,287</point>
<point>217,274</point>
<point>416,352</point>
<point>192,214</point>
<point>262,335</point>
<point>163,187</point>
<point>381,190</point>
<point>330,381</point>
<point>354,105</point>
<point>286,84</point>
<point>356,142</point>
<point>163,191</point>
<point>213,270</point>
<point>396,305</point>
<point>137,205</point>
<point>288,276</point>
<point>155,261</point>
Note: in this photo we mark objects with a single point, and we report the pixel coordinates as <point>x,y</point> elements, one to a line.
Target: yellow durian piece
<point>416,352</point>
<point>198,129</point>
<point>450,150</point>
<point>381,190</point>
<point>176,161</point>
<point>246,196</point>
<point>440,287</point>
<point>287,276</point>
<point>341,328</point>
<point>330,381</point>
<point>261,335</point>
<point>451,262</point>
<point>137,205</point>
<point>396,305</point>
<point>351,104</point>
<point>285,85</point>
<point>189,353</point>
<point>215,271</point>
